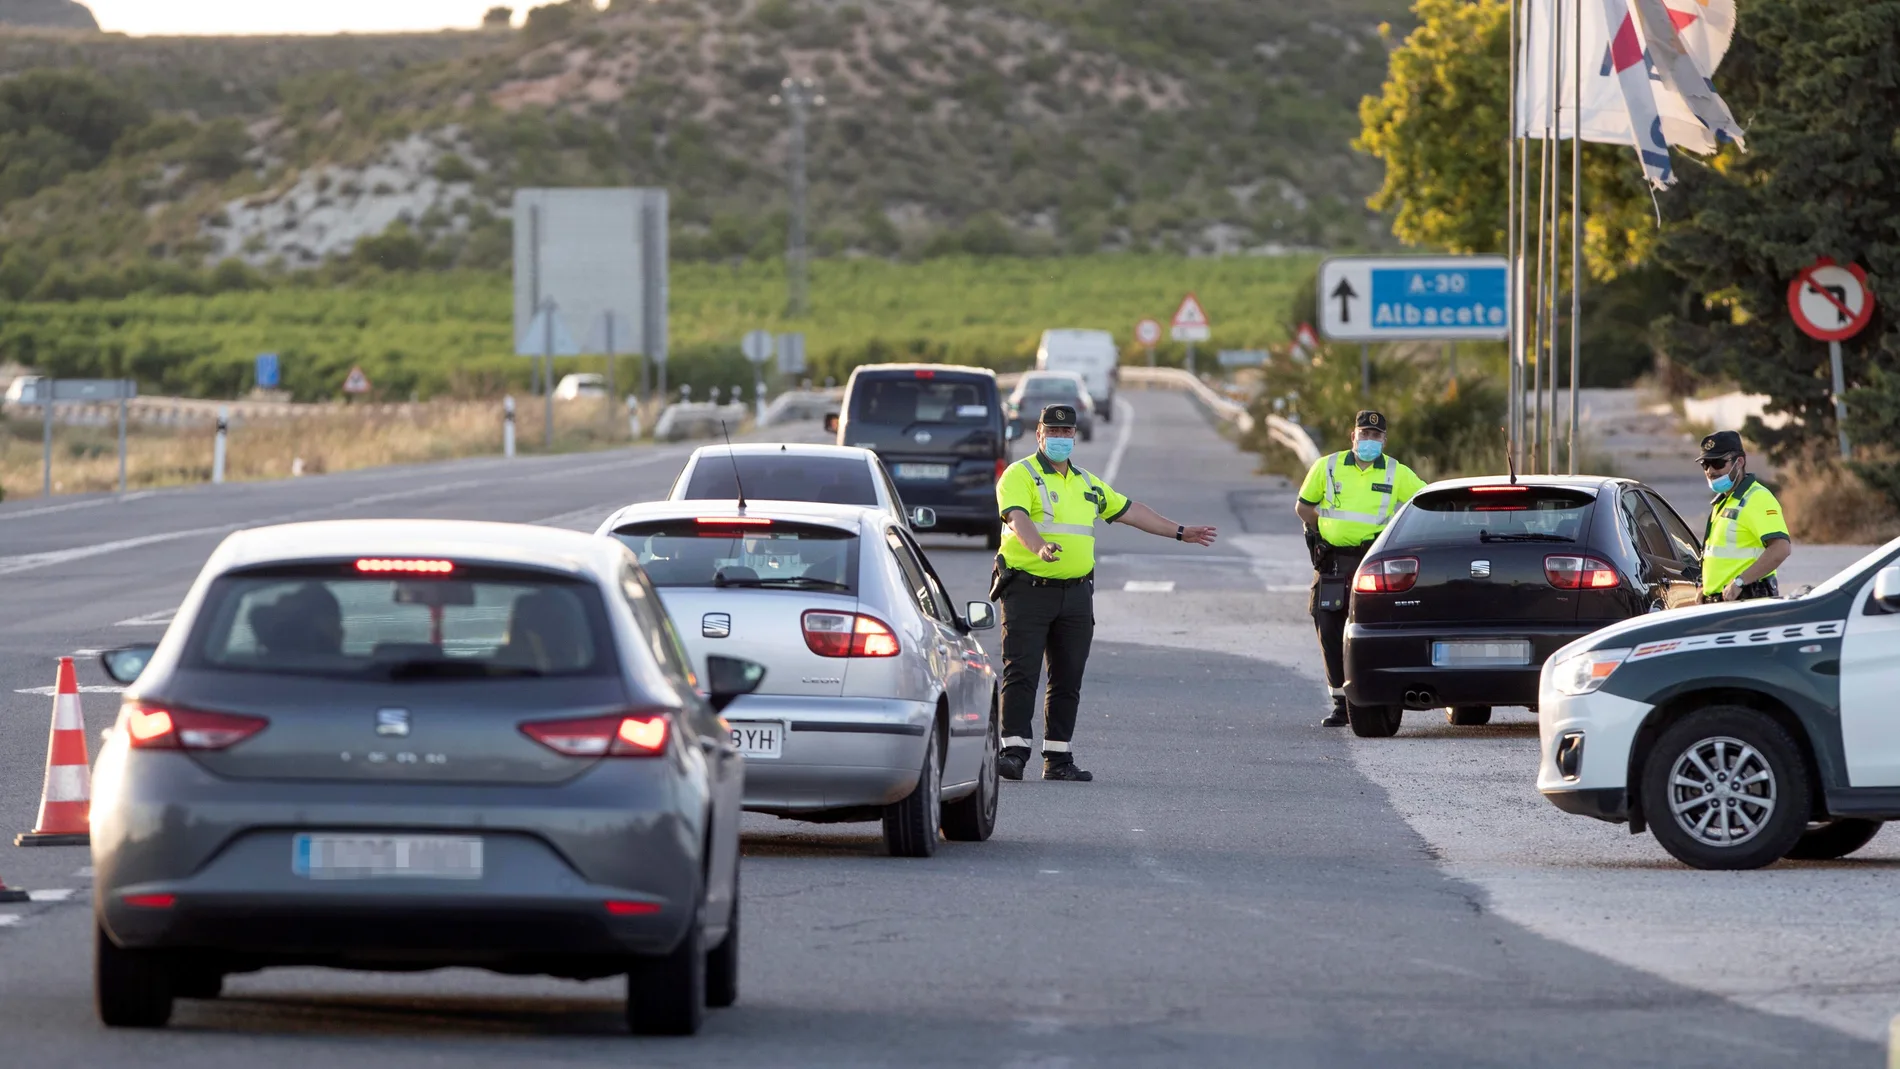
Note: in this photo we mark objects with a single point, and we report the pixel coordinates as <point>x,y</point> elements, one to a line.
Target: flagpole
<point>1551,337</point>
<point>1526,318</point>
<point>1512,280</point>
<point>1576,228</point>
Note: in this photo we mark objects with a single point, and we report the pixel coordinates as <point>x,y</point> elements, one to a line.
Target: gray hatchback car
<point>403,745</point>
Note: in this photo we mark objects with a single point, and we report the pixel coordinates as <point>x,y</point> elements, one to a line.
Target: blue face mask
<point>1058,449</point>
<point>1368,450</point>
<point>1722,485</point>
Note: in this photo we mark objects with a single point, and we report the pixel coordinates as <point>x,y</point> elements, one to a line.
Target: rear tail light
<point>622,908</point>
<point>926,373</point>
<point>848,634</point>
<point>1579,573</point>
<point>735,521</point>
<point>167,727</point>
<point>1499,489</point>
<point>405,567</point>
<point>150,901</point>
<point>640,734</point>
<point>1394,575</point>
<point>1001,467</point>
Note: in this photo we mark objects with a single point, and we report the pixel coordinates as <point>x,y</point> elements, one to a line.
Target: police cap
<point>1722,445</point>
<point>1058,416</point>
<point>1370,420</point>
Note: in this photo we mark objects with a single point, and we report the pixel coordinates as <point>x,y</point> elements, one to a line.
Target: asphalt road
<point>1238,887</point>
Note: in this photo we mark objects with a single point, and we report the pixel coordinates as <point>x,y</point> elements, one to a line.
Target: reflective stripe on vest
<point>1049,505</point>
<point>1332,494</point>
<point>1728,550</point>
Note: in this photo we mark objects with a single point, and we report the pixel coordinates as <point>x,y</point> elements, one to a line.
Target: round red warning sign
<point>1830,301</point>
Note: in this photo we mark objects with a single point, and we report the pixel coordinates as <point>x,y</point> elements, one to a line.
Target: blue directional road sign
<point>1414,298</point>
<point>267,371</point>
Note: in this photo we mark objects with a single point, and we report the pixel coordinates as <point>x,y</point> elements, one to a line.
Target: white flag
<point>1626,58</point>
<point>1669,60</point>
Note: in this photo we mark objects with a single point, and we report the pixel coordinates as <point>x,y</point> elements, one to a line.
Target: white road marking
<point>1149,586</point>
<point>57,894</point>
<point>592,514</point>
<point>89,688</point>
<point>161,618</point>
<point>84,872</point>
<point>8,920</point>
<point>1125,415</point>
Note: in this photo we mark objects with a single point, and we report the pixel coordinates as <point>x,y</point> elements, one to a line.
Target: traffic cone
<point>66,800</point>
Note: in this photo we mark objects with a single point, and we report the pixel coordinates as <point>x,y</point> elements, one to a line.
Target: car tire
<point>1707,739</point>
<point>1374,721</point>
<point>130,988</point>
<point>911,826</point>
<point>1468,716</point>
<point>666,993</point>
<point>722,964</point>
<point>972,819</point>
<point>1835,839</point>
<point>198,981</point>
<point>993,536</point>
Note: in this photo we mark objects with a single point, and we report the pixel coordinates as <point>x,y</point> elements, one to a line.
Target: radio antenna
<point>731,456</point>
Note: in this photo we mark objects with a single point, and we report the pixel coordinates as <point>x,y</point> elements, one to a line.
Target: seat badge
<point>923,437</point>
<point>716,625</point>
<point>392,722</point>
<point>1480,569</point>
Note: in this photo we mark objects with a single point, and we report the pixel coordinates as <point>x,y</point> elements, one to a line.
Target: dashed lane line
<point>1125,415</point>
<point>56,894</point>
<point>1149,586</point>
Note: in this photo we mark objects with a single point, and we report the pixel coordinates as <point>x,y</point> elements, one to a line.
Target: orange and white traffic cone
<point>66,801</point>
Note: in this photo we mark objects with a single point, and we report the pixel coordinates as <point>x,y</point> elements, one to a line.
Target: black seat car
<point>940,431</point>
<point>1477,582</point>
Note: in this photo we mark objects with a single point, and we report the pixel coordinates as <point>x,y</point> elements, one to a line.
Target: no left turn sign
<point>1829,301</point>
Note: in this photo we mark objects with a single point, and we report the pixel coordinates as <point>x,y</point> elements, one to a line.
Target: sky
<point>292,16</point>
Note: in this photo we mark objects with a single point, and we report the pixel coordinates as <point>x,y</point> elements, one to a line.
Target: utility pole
<point>798,96</point>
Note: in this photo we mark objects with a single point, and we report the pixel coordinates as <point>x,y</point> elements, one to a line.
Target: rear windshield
<point>335,623</point>
<point>902,402</point>
<point>1503,513</point>
<point>832,480</point>
<point>780,556</point>
<point>1051,388</point>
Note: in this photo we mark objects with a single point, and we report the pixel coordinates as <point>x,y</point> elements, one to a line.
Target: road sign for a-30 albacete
<point>1414,298</point>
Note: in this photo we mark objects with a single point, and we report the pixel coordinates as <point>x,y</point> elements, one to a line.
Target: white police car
<point>1738,734</point>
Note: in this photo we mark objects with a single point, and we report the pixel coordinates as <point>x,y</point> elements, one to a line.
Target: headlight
<point>1586,671</point>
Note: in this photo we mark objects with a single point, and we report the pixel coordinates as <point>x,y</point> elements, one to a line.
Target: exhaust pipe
<point>1421,699</point>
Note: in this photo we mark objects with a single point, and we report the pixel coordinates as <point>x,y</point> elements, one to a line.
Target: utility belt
<point>1760,588</point>
<point>1333,568</point>
<point>1002,577</point>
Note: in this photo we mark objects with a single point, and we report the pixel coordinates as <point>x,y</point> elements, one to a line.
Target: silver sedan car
<point>404,745</point>
<point>878,704</point>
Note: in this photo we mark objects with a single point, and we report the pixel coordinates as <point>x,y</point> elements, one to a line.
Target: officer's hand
<point>1733,591</point>
<point>1200,536</point>
<point>1049,552</point>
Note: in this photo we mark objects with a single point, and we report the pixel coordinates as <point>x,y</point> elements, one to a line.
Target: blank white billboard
<point>599,255</point>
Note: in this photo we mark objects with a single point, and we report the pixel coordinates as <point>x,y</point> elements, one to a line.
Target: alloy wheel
<point>1722,791</point>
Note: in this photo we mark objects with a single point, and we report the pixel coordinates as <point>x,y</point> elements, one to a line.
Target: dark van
<point>941,433</point>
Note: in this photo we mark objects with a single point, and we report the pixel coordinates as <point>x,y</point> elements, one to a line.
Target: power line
<point>798,96</point>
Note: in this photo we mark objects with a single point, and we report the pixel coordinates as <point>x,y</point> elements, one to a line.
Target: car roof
<point>846,517</point>
<point>505,544</point>
<point>871,369</point>
<point>1591,483</point>
<point>796,449</point>
<point>1052,373</point>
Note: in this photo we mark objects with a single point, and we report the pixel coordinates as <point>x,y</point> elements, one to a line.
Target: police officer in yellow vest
<point>1747,536</point>
<point>1345,502</point>
<point>1045,582</point>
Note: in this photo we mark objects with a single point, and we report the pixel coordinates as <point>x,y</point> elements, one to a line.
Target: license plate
<point>372,857</point>
<point>759,740</point>
<point>923,471</point>
<point>1481,654</point>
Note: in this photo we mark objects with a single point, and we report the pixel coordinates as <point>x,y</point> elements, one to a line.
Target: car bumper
<point>1584,744</point>
<point>839,753</point>
<point>1382,665</point>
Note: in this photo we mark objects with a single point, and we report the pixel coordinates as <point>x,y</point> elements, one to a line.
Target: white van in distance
<point>1089,353</point>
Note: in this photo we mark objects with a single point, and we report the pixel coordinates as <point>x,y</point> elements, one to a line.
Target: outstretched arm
<point>1143,518</point>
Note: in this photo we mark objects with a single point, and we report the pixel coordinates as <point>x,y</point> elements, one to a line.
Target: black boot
<point>1065,770</point>
<point>1338,719</point>
<point>1009,764</point>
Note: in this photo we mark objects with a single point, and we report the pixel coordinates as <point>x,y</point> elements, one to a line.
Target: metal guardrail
<point>698,419</point>
<point>1283,431</point>
<point>797,405</point>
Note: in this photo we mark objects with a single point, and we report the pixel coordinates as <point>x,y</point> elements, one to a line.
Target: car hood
<point>1695,620</point>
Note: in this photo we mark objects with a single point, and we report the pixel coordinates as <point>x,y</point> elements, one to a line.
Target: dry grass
<point>85,459</point>
<point>1826,503</point>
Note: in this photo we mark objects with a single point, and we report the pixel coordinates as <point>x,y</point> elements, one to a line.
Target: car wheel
<point>972,819</point>
<point>722,965</point>
<point>1468,716</point>
<point>1724,788</point>
<point>198,981</point>
<point>910,826</point>
<point>130,988</point>
<point>666,995</point>
<point>1374,721</point>
<point>1834,839</point>
<point>993,536</point>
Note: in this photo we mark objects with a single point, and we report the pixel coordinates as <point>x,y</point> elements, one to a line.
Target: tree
<point>498,18</point>
<point>56,123</point>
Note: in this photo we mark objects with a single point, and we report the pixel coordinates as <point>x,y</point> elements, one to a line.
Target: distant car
<point>1737,734</point>
<point>1475,584</point>
<point>785,471</point>
<point>1037,390</point>
<point>879,704</point>
<point>414,744</point>
<point>1089,353</point>
<point>940,431</point>
<point>575,387</point>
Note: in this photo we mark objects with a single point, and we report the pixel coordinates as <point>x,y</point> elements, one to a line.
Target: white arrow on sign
<point>535,341</point>
<point>1190,321</point>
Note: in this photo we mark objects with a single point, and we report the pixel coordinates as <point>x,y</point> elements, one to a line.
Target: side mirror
<point>831,423</point>
<point>1887,587</point>
<point>727,678</point>
<point>124,665</point>
<point>923,517</point>
<point>981,615</point>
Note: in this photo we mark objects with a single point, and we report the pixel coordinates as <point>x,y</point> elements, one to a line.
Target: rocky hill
<point>949,125</point>
<point>50,14</point>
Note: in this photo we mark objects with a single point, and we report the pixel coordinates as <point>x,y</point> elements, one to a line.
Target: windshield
<point>783,477</point>
<point>761,553</point>
<point>903,402</point>
<point>318,622</point>
<point>1049,386</point>
<point>1487,514</point>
